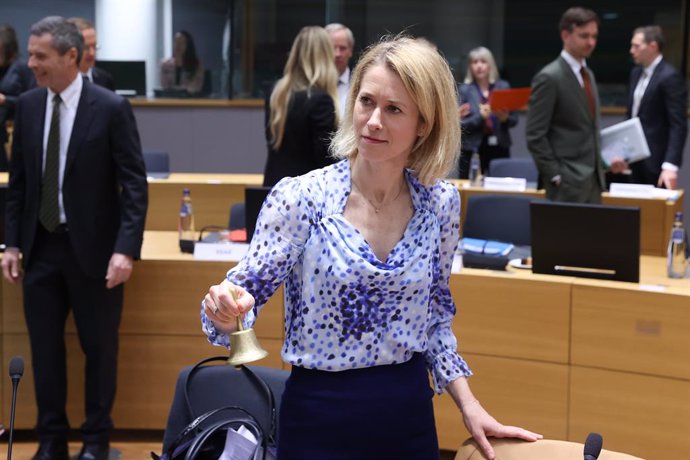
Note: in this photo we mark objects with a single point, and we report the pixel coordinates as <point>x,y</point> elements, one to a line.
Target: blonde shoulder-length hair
<point>430,83</point>
<point>481,53</point>
<point>310,65</point>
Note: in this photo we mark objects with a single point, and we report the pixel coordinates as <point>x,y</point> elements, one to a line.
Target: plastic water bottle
<point>475,172</point>
<point>676,249</point>
<point>185,224</point>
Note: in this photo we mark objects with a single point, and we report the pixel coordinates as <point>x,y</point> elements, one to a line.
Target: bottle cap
<point>679,215</point>
<point>185,191</point>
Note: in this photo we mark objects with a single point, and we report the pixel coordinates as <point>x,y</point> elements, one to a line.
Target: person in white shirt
<point>658,96</point>
<point>343,44</point>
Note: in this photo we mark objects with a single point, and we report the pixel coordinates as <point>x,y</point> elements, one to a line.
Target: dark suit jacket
<point>309,125</point>
<point>561,133</point>
<point>103,78</point>
<point>104,186</point>
<point>473,123</point>
<point>662,114</point>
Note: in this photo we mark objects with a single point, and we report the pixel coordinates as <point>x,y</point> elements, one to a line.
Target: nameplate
<point>512,184</point>
<point>231,252</point>
<point>646,191</point>
<point>631,190</point>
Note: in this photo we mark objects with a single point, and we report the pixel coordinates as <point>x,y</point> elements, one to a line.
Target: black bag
<point>205,437</point>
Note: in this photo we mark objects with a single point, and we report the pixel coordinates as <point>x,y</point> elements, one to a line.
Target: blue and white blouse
<point>344,308</point>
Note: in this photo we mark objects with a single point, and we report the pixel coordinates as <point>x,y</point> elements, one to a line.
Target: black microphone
<point>16,372</point>
<point>593,446</point>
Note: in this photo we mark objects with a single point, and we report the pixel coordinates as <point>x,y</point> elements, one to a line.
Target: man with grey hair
<point>343,44</point>
<point>658,97</point>
<point>75,213</point>
<point>87,65</point>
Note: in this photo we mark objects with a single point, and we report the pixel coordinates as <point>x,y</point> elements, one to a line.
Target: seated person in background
<point>15,78</point>
<point>184,70</point>
<point>301,112</point>
<point>484,131</point>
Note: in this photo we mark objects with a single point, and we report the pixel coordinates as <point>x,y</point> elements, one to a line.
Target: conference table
<point>559,355</point>
<point>213,194</point>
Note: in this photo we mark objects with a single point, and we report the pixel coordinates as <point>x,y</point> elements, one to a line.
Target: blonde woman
<point>484,130</point>
<point>365,248</point>
<point>301,112</point>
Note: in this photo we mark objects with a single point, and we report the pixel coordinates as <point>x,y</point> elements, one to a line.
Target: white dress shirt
<point>68,111</point>
<point>343,89</point>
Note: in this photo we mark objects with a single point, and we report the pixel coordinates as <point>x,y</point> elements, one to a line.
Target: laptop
<point>254,197</point>
<point>585,240</point>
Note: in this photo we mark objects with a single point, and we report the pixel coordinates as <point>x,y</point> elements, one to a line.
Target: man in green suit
<point>563,116</point>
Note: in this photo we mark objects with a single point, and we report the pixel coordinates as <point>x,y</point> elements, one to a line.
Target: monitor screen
<point>591,241</point>
<point>129,76</point>
<point>253,200</point>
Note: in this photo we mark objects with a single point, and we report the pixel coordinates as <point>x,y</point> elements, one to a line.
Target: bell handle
<point>240,326</point>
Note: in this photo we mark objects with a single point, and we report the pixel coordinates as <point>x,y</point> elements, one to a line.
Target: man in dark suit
<point>659,98</point>
<point>88,60</point>
<point>563,116</point>
<point>76,207</point>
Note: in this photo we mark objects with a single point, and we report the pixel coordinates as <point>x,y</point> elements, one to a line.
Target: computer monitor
<point>591,241</point>
<point>253,200</point>
<point>129,76</point>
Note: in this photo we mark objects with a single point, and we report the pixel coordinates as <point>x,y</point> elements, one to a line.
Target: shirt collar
<point>572,62</point>
<point>649,70</point>
<point>70,95</point>
<point>345,76</point>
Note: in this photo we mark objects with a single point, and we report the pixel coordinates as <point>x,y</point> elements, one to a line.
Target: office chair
<point>513,167</point>
<point>499,217</point>
<point>237,218</point>
<point>214,386</point>
<point>545,449</point>
<point>157,162</point>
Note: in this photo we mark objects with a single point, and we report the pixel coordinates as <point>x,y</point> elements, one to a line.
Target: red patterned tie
<point>588,90</point>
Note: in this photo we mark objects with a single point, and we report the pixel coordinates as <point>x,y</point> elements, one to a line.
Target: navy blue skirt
<point>380,413</point>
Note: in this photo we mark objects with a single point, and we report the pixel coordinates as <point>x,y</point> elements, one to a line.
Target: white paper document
<point>625,140</point>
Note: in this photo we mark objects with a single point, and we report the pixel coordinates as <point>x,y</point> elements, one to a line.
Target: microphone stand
<point>15,384</point>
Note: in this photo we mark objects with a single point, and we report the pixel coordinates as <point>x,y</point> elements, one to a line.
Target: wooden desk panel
<point>509,314</point>
<point>147,372</point>
<point>212,196</point>
<point>630,329</point>
<point>656,220</point>
<point>641,415</point>
<point>530,394</point>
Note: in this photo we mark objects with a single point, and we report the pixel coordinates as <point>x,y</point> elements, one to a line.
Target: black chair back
<point>157,162</point>
<point>514,167</point>
<point>214,386</point>
<point>499,217</point>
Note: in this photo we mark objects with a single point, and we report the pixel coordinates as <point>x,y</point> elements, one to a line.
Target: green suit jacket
<point>562,135</point>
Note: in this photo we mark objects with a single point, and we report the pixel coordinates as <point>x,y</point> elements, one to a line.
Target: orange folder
<point>509,99</point>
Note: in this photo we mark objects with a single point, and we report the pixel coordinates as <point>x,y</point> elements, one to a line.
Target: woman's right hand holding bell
<point>224,303</point>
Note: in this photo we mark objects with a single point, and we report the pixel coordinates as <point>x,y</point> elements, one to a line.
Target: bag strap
<point>181,438</point>
<point>252,377</point>
<point>249,422</point>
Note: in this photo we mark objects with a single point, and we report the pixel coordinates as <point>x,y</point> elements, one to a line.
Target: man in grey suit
<point>563,116</point>
<point>657,96</point>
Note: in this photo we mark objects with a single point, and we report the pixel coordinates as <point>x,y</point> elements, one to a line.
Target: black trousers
<point>53,284</point>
